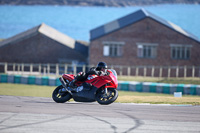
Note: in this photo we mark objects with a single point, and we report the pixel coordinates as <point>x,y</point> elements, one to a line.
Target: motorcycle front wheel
<point>59,96</point>
<point>107,98</point>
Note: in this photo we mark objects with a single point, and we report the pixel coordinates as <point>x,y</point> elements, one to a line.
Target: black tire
<point>60,97</point>
<point>112,95</point>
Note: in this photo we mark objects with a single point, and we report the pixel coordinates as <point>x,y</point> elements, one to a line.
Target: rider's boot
<point>72,85</point>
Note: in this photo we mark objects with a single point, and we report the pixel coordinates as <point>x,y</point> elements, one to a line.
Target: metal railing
<point>58,69</point>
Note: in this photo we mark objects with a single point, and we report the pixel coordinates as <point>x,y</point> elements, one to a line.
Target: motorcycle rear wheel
<point>60,97</point>
<point>109,98</point>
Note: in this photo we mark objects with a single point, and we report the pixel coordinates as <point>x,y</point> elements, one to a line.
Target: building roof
<point>45,30</point>
<point>133,18</point>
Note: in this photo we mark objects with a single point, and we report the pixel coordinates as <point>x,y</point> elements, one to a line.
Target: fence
<point>58,69</point>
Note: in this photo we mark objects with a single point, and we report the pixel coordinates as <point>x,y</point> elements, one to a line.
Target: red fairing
<point>99,81</point>
<point>69,77</point>
<point>114,80</point>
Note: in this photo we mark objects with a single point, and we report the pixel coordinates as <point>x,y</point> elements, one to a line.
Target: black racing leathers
<point>92,71</point>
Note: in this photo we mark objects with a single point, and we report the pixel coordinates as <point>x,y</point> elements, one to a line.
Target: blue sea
<point>77,21</point>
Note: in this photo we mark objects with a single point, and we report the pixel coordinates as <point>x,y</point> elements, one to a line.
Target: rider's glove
<point>99,73</point>
<point>102,73</point>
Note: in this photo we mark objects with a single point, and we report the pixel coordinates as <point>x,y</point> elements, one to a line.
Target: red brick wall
<point>145,31</point>
<point>38,49</point>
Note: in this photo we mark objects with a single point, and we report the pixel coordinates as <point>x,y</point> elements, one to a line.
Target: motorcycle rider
<point>100,70</point>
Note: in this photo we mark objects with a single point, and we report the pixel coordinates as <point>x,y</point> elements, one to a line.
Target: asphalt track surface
<point>43,115</point>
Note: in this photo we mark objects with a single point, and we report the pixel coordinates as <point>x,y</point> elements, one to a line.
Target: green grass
<point>161,80</point>
<point>155,98</point>
<point>26,90</point>
<point>124,96</point>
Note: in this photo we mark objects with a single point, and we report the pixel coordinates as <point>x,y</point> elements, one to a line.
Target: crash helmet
<point>101,66</point>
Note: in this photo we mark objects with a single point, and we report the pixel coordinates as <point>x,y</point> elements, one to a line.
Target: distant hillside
<point>116,3</point>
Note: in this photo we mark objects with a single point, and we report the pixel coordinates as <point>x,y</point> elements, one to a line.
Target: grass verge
<point>26,90</point>
<point>155,98</point>
<point>124,96</point>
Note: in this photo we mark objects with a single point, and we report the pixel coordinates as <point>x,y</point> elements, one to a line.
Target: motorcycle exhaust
<point>64,84</point>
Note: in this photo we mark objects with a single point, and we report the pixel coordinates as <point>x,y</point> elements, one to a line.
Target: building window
<point>147,50</point>
<point>179,51</point>
<point>113,49</point>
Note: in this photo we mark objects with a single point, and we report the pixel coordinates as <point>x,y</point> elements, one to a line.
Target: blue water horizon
<point>77,21</point>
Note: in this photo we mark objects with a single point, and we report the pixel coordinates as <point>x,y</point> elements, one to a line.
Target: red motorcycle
<point>102,89</point>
